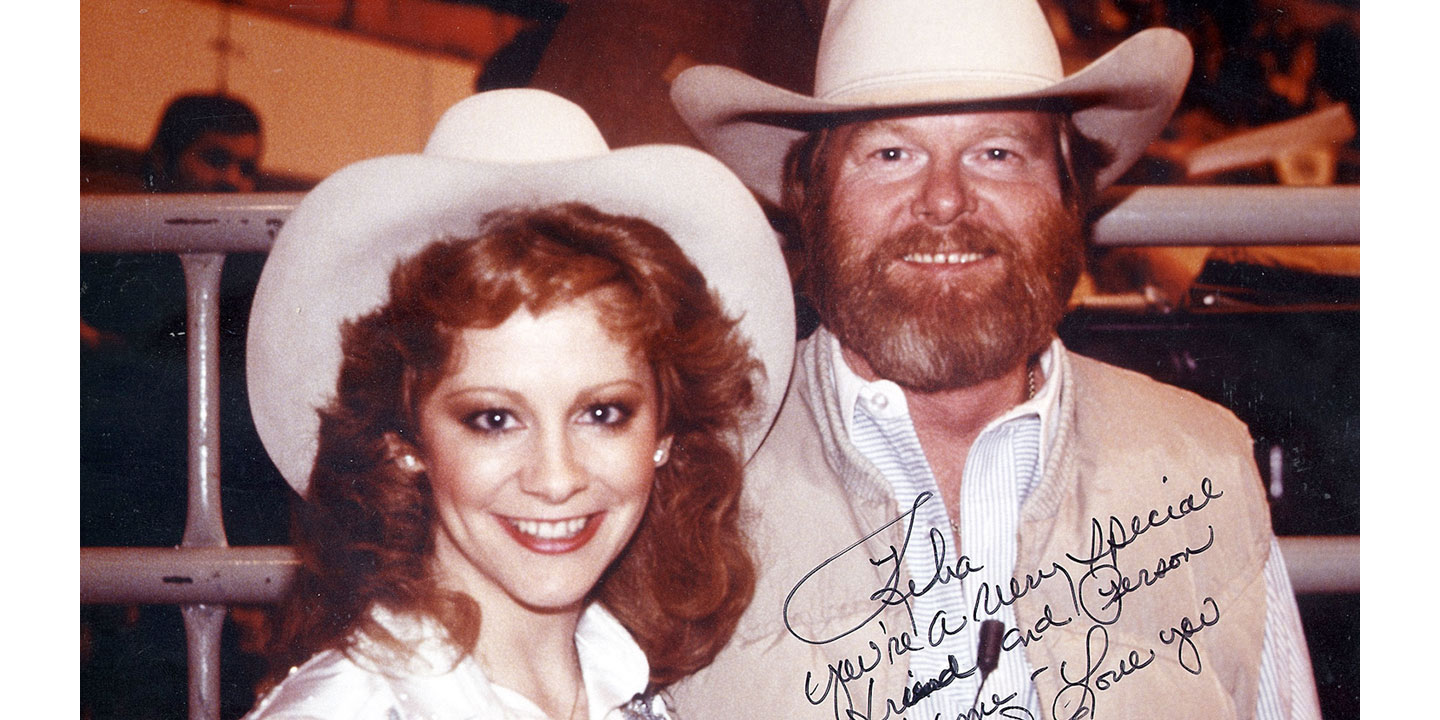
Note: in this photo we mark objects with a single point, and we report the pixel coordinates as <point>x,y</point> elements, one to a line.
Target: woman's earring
<point>402,454</point>
<point>409,463</point>
<point>662,453</point>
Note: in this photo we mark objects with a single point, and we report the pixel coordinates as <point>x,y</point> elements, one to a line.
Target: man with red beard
<point>954,516</point>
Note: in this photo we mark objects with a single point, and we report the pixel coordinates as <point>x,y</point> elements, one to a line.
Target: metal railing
<point>204,574</point>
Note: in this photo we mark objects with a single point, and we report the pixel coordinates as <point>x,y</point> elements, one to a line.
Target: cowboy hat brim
<point>1121,100</point>
<point>333,259</point>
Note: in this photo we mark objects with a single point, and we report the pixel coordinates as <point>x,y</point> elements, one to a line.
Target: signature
<point>1098,595</point>
<point>890,593</point>
<point>840,673</point>
<point>1107,541</point>
<point>1144,578</point>
<point>1103,587</point>
<point>1078,698</point>
<point>1189,655</point>
<point>922,689</point>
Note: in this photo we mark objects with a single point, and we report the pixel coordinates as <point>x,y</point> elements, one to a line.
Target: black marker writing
<point>1189,654</point>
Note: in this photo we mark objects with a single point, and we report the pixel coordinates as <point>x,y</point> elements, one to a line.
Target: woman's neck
<point>522,648</point>
<point>533,653</point>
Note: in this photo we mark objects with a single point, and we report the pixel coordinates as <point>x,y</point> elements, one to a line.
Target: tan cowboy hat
<point>932,55</point>
<point>506,148</point>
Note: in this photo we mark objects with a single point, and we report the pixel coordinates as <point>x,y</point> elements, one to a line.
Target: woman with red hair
<point>516,379</point>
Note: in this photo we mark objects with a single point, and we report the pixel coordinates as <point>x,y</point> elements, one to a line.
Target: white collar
<point>885,399</point>
<point>613,666</point>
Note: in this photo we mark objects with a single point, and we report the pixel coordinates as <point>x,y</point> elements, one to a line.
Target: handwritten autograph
<point>1097,646</point>
<point>1097,598</point>
<point>889,593</point>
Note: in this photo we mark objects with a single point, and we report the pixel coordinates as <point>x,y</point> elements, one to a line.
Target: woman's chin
<point>563,596</point>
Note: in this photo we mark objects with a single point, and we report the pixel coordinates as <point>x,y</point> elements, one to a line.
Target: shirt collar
<point>613,666</point>
<point>883,399</point>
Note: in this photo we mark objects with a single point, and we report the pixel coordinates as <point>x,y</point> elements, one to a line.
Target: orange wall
<point>326,98</point>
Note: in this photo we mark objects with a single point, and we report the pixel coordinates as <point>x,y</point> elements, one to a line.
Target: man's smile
<point>954,258</point>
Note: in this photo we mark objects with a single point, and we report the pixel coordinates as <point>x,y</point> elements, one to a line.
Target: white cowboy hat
<point>929,55</point>
<point>333,259</point>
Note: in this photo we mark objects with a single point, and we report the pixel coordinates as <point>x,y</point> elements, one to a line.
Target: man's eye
<point>216,158</point>
<point>611,414</point>
<point>890,154</point>
<point>492,420</point>
<point>999,154</point>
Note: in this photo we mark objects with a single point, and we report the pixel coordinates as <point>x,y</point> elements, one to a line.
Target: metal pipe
<point>1322,564</point>
<point>204,521</point>
<point>222,222</point>
<point>1243,215</point>
<point>1186,215</point>
<point>203,624</point>
<point>1317,564</point>
<point>237,575</point>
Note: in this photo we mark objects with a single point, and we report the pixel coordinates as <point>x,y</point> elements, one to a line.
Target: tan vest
<point>1183,641</point>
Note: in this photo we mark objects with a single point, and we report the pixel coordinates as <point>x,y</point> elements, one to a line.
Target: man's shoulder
<point>792,478</point>
<point>1125,428</point>
<point>1117,393</point>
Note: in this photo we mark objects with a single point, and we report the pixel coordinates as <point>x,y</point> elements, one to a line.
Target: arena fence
<point>204,574</point>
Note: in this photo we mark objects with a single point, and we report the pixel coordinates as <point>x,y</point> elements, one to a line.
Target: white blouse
<point>334,685</point>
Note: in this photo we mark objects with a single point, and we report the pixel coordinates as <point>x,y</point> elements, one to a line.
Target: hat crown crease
<point>876,43</point>
<point>515,127</point>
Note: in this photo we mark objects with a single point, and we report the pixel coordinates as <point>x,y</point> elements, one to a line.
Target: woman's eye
<point>611,414</point>
<point>492,420</point>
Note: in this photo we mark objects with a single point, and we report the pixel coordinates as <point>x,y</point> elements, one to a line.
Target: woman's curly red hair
<point>365,534</point>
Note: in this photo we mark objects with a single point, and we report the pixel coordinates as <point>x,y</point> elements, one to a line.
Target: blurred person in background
<point>133,419</point>
<point>205,143</point>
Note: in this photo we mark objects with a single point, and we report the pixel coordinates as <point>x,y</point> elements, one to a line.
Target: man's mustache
<point>960,238</point>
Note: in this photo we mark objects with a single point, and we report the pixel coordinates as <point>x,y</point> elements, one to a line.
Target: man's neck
<point>948,421</point>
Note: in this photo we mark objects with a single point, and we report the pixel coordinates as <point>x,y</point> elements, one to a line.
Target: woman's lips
<point>552,537</point>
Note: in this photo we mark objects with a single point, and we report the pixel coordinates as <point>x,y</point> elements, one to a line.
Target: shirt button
<point>877,402</point>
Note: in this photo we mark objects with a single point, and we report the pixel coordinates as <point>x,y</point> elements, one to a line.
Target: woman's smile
<point>551,537</point>
<point>539,446</point>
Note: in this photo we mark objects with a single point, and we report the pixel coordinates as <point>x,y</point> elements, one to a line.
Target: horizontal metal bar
<point>1317,564</point>
<point>1242,215</point>
<point>259,574</point>
<point>1229,215</point>
<point>1322,564</point>
<point>221,222</point>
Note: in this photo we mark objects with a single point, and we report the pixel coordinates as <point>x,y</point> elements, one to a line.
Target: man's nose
<point>555,475</point>
<point>945,193</point>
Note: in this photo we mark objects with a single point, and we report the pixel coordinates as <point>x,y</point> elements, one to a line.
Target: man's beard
<point>929,336</point>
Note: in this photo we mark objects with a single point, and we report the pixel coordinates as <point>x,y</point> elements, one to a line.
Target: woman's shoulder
<point>328,686</point>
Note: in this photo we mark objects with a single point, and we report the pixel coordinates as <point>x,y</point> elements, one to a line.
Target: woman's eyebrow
<point>464,391</point>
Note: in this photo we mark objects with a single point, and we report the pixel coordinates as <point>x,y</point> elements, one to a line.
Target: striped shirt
<point>1001,470</point>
